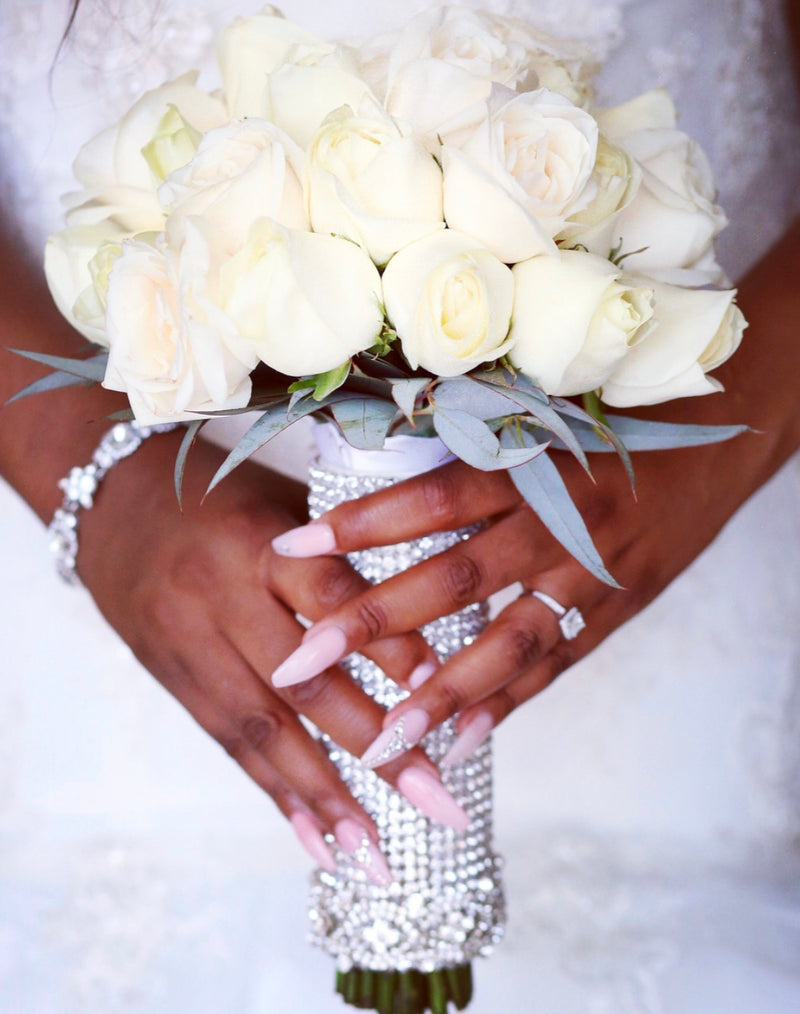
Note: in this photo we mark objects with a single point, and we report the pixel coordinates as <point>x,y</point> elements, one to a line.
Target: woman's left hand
<point>683,498</point>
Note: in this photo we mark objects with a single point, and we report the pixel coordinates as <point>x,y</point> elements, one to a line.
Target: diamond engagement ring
<point>571,620</point>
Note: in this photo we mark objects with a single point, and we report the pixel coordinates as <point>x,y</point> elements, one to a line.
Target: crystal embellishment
<point>446,905</point>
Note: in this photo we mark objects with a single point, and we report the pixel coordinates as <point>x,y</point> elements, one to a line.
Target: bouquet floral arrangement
<point>436,231</point>
<point>433,232</point>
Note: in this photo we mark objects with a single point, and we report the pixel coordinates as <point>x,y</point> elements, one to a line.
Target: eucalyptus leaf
<point>464,394</point>
<point>51,382</point>
<point>589,428</point>
<point>364,422</point>
<point>189,438</point>
<point>539,482</point>
<point>471,440</point>
<point>92,369</point>
<point>271,422</point>
<point>544,413</point>
<point>405,393</point>
<point>648,435</point>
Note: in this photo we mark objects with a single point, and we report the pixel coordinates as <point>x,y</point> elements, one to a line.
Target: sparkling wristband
<point>81,484</point>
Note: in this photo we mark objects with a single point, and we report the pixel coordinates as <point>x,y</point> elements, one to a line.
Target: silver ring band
<point>570,620</point>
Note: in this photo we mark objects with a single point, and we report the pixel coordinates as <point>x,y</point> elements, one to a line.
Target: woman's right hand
<point>209,609</point>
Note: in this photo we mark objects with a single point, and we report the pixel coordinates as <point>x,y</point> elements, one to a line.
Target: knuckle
<point>373,617</point>
<point>523,646</point>
<point>462,578</point>
<point>334,584</point>
<point>452,697</point>
<point>259,731</point>
<point>440,495</point>
<point>302,696</point>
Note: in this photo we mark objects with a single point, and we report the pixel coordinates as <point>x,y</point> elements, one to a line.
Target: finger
<point>524,638</point>
<point>316,588</point>
<point>341,709</point>
<point>468,572</point>
<point>445,498</point>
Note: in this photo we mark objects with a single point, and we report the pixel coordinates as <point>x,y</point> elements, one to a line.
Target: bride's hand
<point>683,498</point>
<point>209,609</point>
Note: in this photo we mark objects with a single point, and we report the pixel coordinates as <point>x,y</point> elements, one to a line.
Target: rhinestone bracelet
<point>81,484</point>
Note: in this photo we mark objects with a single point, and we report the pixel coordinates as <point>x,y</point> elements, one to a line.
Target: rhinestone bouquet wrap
<point>446,905</point>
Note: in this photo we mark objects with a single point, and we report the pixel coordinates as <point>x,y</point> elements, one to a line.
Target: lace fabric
<point>652,844</point>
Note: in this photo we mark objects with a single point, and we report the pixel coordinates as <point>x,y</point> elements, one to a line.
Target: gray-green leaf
<point>364,422</point>
<point>471,440</point>
<point>540,483</point>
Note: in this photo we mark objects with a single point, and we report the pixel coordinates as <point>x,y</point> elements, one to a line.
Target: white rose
<point>171,349</point>
<point>524,170</point>
<point>76,264</point>
<point>575,320</point>
<point>306,302</point>
<point>446,59</point>
<point>368,179</point>
<point>450,302</point>
<point>616,178</point>
<point>670,227</point>
<point>695,331</point>
<point>243,170</point>
<point>249,49</point>
<point>115,157</point>
<point>316,81</point>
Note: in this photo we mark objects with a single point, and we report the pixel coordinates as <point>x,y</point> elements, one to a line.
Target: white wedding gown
<point>648,804</point>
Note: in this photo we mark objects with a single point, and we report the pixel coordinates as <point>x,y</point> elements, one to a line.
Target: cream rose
<point>306,302</point>
<point>171,349</point>
<point>575,319</point>
<point>450,302</point>
<point>520,175</point>
<point>249,49</point>
<point>77,285</point>
<point>369,180</point>
<point>616,178</point>
<point>694,332</point>
<point>304,90</point>
<point>673,220</point>
<point>241,171</point>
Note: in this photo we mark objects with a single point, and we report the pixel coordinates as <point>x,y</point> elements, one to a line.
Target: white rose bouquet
<point>434,233</point>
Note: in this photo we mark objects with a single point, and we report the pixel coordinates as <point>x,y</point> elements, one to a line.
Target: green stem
<point>409,992</point>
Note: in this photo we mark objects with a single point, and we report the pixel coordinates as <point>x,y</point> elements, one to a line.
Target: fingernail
<point>312,841</point>
<point>429,795</point>
<point>396,738</point>
<point>309,540</point>
<point>321,649</point>
<point>357,843</point>
<point>469,739</point>
<point>423,672</point>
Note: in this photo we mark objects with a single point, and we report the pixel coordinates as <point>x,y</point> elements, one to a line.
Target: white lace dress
<point>648,803</point>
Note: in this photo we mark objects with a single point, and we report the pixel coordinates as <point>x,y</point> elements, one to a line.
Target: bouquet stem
<point>409,992</point>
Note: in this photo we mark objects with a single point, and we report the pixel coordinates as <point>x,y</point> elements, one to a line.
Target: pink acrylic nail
<point>421,674</point>
<point>315,539</point>
<point>356,842</point>
<point>401,735</point>
<point>321,649</point>
<point>429,795</point>
<point>469,739</point>
<point>312,841</point>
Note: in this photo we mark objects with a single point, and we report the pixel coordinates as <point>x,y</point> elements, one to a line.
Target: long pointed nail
<point>315,539</point>
<point>312,841</point>
<point>356,842</point>
<point>429,795</point>
<point>314,655</point>
<point>421,674</point>
<point>469,739</point>
<point>396,738</point>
